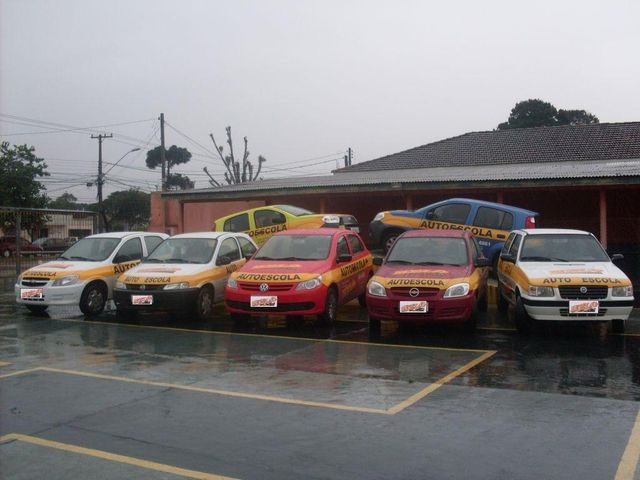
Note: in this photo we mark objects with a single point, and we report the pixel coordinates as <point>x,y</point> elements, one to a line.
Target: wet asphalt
<point>168,398</point>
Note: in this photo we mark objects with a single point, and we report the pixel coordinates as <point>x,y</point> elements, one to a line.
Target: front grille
<point>152,286</point>
<point>594,292</point>
<point>32,282</point>
<point>564,312</point>
<point>422,292</point>
<point>273,287</point>
<point>284,307</point>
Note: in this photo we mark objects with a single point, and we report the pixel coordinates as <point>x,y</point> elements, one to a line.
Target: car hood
<point>275,270</point>
<point>574,272</point>
<point>165,273</point>
<point>61,268</point>
<point>439,276</point>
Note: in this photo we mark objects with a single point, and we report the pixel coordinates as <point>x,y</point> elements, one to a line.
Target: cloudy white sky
<point>303,80</point>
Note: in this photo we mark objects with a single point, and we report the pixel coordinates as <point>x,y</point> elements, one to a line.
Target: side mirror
<point>617,256</point>
<point>429,215</point>
<point>482,262</point>
<point>345,257</point>
<point>508,258</point>
<point>377,261</point>
<point>120,259</point>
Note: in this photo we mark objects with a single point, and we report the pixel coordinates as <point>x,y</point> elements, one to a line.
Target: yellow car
<point>262,222</point>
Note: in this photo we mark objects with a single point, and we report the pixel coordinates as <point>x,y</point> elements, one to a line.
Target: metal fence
<point>31,236</point>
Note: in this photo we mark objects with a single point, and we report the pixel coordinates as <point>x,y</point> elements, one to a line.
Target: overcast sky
<point>303,80</point>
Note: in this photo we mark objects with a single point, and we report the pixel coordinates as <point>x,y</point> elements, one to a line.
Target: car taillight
<point>530,222</point>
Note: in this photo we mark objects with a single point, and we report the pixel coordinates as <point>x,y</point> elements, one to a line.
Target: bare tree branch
<point>212,180</point>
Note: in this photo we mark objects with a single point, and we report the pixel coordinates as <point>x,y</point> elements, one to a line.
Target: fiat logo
<point>583,289</point>
<point>264,287</point>
<point>414,292</point>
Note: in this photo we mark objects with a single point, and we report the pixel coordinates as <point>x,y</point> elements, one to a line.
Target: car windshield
<point>295,247</point>
<point>94,249</point>
<point>429,251</point>
<point>297,211</point>
<point>562,248</point>
<point>183,250</point>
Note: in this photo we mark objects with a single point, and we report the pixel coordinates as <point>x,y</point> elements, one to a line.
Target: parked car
<point>489,222</point>
<point>558,274</point>
<point>301,272</point>
<point>55,244</point>
<point>429,276</point>
<point>185,274</point>
<point>261,223</point>
<point>8,246</point>
<point>84,274</point>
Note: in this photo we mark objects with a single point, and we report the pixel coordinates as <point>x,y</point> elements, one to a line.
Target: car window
<point>152,242</point>
<point>131,250</point>
<point>515,245</point>
<point>94,249</point>
<point>265,218</point>
<point>248,248</point>
<point>429,251</point>
<point>475,249</point>
<point>452,213</point>
<point>356,244</point>
<point>562,248</point>
<point>295,247</point>
<point>183,250</point>
<point>239,223</point>
<point>493,218</point>
<point>229,251</point>
<point>507,244</point>
<point>342,248</point>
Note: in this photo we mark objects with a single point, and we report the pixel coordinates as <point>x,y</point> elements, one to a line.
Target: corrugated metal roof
<point>404,178</point>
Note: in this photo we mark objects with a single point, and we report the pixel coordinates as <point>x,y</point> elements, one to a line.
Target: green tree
<point>174,155</point>
<point>176,181</point>
<point>66,201</point>
<point>237,171</point>
<point>127,210</point>
<point>537,113</point>
<point>20,171</point>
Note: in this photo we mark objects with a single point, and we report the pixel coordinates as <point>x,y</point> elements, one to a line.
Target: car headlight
<point>176,286</point>
<point>64,281</point>
<point>378,217</point>
<point>310,284</point>
<point>121,285</point>
<point>535,291</point>
<point>376,289</point>
<point>232,283</point>
<point>622,291</point>
<point>457,290</point>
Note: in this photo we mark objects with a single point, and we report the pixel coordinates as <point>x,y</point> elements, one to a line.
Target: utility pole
<point>347,158</point>
<point>163,157</point>
<point>100,181</point>
<point>350,151</point>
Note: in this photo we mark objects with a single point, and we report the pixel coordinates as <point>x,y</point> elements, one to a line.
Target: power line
<point>71,129</point>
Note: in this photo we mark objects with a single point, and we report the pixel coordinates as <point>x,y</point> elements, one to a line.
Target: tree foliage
<point>175,156</point>
<point>127,210</point>
<point>237,171</point>
<point>176,181</point>
<point>66,201</point>
<point>20,170</point>
<point>537,113</point>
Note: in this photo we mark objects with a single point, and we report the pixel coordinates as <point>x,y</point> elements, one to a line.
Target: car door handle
<point>501,237</point>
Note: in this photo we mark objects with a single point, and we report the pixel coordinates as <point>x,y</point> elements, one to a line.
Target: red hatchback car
<point>301,272</point>
<point>429,275</point>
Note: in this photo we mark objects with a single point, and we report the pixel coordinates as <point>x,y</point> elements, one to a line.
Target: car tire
<point>37,308</point>
<point>204,303</point>
<point>329,314</point>
<point>388,239</point>
<point>617,326</point>
<point>524,323</point>
<point>93,299</point>
<point>503,304</point>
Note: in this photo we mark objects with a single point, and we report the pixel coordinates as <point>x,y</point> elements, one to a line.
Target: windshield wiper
<point>400,261</point>
<point>435,263</point>
<point>62,257</point>
<point>75,257</point>
<point>535,258</point>
<point>154,260</point>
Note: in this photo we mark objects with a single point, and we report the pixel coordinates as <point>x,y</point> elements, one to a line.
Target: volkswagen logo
<point>264,287</point>
<point>142,287</point>
<point>583,289</point>
<point>414,292</point>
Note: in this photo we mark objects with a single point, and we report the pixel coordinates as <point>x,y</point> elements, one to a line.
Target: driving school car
<point>301,272</point>
<point>558,274</point>
<point>85,273</point>
<point>187,274</point>
<point>260,223</point>
<point>427,276</point>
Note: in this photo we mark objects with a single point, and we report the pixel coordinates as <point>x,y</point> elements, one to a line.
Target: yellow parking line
<point>629,461</point>
<point>159,467</point>
<point>437,384</point>
<point>306,339</point>
<point>20,372</point>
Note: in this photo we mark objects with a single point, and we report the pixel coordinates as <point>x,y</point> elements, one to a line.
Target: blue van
<point>489,222</point>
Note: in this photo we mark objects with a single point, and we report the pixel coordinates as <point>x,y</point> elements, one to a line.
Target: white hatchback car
<point>558,274</point>
<point>86,272</point>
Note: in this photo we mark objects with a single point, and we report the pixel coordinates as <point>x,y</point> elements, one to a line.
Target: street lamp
<point>100,182</point>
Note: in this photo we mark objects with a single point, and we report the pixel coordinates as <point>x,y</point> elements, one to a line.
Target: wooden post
<point>409,201</point>
<point>603,217</point>
<point>323,205</point>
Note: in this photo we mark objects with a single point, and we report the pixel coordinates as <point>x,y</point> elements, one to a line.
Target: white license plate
<point>584,306</point>
<point>31,294</point>
<point>258,301</point>
<point>418,306</point>
<point>141,299</point>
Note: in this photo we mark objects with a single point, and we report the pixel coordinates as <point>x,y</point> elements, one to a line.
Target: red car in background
<point>301,272</point>
<point>8,246</point>
<point>429,275</point>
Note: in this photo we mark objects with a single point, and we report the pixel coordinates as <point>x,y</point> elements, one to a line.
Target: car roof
<point>484,203</point>
<point>552,231</point>
<point>206,234</point>
<point>311,231</point>
<point>124,234</point>
<point>438,233</point>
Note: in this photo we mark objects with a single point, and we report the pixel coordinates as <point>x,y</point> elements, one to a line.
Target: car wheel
<point>93,299</point>
<point>204,303</point>
<point>388,240</point>
<point>503,304</point>
<point>37,308</point>
<point>617,326</point>
<point>524,323</point>
<point>330,307</point>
